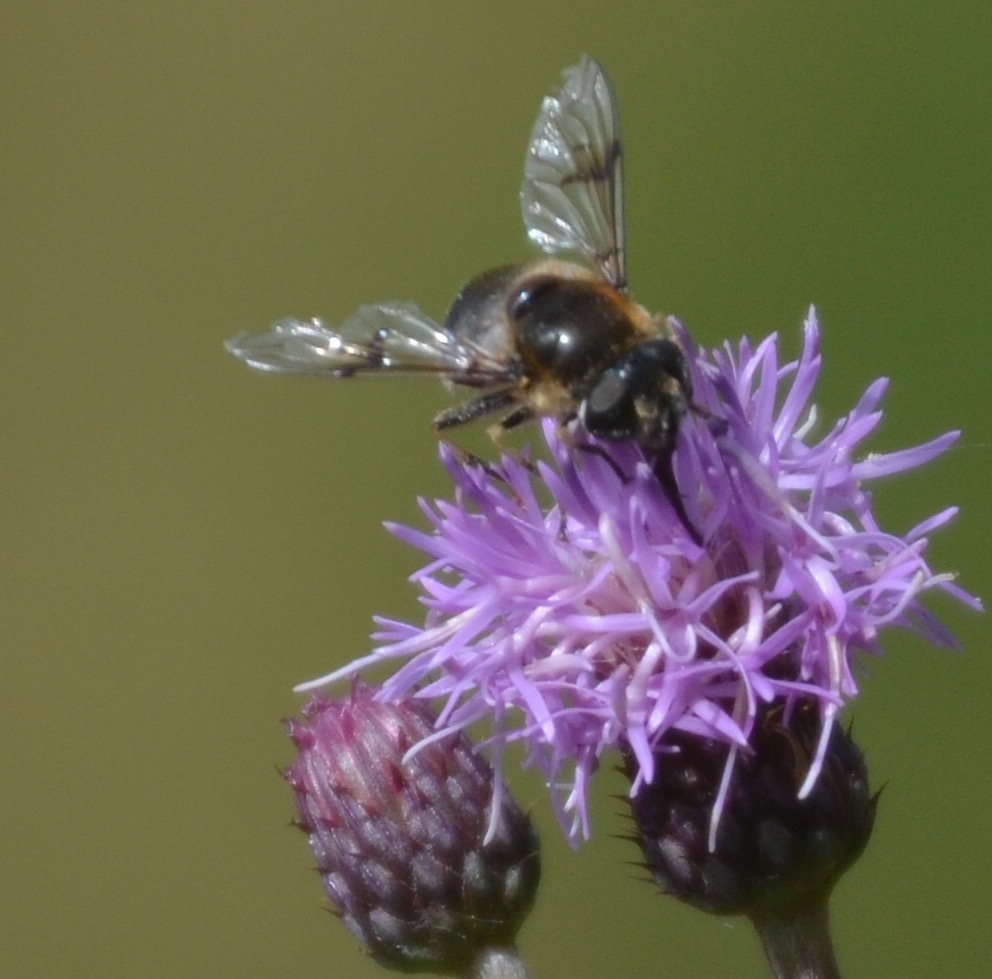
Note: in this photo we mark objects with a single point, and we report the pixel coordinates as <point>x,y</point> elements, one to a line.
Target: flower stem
<point>797,943</point>
<point>498,963</point>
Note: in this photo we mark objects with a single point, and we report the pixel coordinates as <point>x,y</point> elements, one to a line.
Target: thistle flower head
<point>570,608</point>
<point>775,853</point>
<point>426,865</point>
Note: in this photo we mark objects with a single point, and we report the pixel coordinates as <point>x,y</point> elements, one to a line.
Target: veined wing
<point>394,338</point>
<point>572,192</point>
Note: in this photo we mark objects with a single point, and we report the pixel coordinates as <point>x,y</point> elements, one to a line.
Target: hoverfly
<point>544,339</point>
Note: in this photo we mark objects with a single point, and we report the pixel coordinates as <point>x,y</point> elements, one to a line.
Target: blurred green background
<point>184,541</point>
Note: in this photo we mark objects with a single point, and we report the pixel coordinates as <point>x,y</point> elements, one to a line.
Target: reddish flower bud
<point>410,855</point>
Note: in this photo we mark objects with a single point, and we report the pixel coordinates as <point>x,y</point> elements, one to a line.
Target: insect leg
<point>519,415</point>
<point>469,411</point>
<point>466,458</point>
<point>486,404</point>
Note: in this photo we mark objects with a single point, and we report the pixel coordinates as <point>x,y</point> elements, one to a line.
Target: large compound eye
<point>643,396</point>
<point>609,411</point>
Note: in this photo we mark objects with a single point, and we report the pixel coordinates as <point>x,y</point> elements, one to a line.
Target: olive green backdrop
<point>183,541</point>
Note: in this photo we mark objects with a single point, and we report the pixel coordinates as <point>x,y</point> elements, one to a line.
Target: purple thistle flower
<point>568,605</point>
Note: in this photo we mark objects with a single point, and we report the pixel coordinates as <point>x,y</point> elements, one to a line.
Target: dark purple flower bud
<point>417,864</point>
<point>771,851</point>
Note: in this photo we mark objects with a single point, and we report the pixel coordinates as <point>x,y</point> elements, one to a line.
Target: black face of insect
<point>546,339</point>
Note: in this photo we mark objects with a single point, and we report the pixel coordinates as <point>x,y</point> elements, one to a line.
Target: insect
<point>548,338</point>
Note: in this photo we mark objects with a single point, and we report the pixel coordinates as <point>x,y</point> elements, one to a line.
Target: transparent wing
<point>572,192</point>
<point>393,337</point>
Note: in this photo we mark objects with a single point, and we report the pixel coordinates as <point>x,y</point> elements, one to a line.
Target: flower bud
<point>409,855</point>
<point>773,851</point>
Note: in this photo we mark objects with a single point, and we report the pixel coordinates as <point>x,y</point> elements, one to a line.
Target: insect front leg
<point>478,408</point>
<point>470,411</point>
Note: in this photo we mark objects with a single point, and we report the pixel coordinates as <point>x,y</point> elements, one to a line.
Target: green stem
<point>797,944</point>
